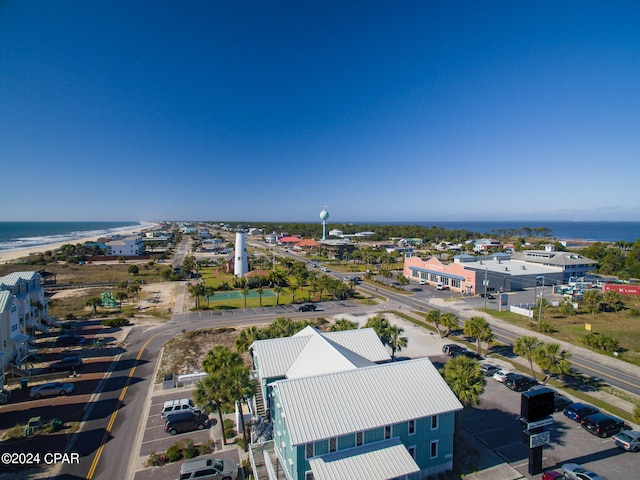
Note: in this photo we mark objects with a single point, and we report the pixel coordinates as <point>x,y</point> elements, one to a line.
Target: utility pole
<point>485,282</point>
<point>541,296</point>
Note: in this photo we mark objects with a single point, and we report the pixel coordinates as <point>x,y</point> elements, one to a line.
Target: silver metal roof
<point>325,406</point>
<point>15,278</point>
<point>373,461</point>
<point>276,356</point>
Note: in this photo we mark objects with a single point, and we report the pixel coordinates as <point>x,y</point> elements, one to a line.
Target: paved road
<point>113,425</point>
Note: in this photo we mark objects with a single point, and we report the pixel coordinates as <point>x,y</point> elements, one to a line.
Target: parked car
<point>489,369</point>
<point>307,307</point>
<point>578,411</point>
<point>603,425</point>
<point>488,296</point>
<point>51,389</point>
<point>452,349</point>
<point>440,286</point>
<point>552,475</point>
<point>422,282</point>
<point>186,422</point>
<point>69,340</point>
<point>519,383</point>
<point>577,472</point>
<point>471,354</point>
<point>67,363</point>
<point>209,468</point>
<point>629,440</point>
<point>178,405</point>
<point>501,375</point>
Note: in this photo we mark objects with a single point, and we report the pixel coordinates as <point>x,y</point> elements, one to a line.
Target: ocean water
<point>20,235</point>
<point>588,231</point>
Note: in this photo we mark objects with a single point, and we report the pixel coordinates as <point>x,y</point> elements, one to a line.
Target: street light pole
<point>541,297</point>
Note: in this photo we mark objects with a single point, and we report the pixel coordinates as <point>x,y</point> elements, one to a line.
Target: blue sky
<point>406,111</point>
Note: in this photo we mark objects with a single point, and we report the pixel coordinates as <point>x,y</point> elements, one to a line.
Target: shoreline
<point>10,256</point>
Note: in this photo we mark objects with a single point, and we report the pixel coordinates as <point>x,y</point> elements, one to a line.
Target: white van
<point>177,405</point>
<point>212,468</point>
<point>439,286</point>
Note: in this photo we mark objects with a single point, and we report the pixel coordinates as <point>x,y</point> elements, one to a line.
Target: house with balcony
<point>131,246</point>
<point>337,413</point>
<point>23,311</point>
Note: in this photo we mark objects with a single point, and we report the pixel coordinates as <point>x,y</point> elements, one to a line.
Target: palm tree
<point>526,347</point>
<point>260,291</point>
<point>381,326</point>
<point>552,359</point>
<point>396,342</point>
<point>465,379</point>
<point>479,328</point>
<point>197,290</point>
<point>342,325</point>
<point>278,290</point>
<point>208,395</point>
<point>449,320</point>
<point>245,292</point>
<point>246,337</point>
<point>208,292</point>
<point>434,317</point>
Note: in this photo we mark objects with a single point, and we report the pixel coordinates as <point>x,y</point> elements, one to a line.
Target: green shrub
<point>156,460</point>
<point>600,342</point>
<point>545,327</point>
<point>190,452</point>
<point>115,322</point>
<point>174,453</point>
<point>206,447</point>
<point>229,428</point>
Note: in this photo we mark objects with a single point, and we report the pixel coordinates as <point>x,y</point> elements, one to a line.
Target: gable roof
<point>324,406</point>
<point>372,461</point>
<point>276,356</point>
<point>321,355</point>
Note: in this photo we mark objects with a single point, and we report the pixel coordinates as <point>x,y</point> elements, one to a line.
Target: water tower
<point>323,216</point>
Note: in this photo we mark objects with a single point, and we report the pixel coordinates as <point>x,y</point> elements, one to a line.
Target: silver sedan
<point>51,389</point>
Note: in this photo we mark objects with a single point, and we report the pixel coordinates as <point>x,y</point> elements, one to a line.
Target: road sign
<point>539,439</point>
<point>540,423</point>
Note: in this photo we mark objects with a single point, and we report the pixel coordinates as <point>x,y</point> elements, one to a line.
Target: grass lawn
<point>624,326</point>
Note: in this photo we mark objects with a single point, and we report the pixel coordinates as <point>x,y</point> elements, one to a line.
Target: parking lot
<point>156,440</point>
<point>495,424</point>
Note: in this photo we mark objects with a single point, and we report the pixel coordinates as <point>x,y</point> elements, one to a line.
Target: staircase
<point>51,321</point>
<point>260,409</point>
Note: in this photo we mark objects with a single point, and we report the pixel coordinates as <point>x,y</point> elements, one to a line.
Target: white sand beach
<point>11,255</point>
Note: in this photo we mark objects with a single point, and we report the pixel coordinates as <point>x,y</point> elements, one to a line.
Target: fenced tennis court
<point>236,295</point>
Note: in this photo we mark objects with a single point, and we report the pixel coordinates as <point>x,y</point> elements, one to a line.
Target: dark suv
<point>603,425</point>
<point>452,349</point>
<point>68,340</point>
<point>519,383</point>
<point>186,422</point>
<point>67,363</point>
<point>307,307</point>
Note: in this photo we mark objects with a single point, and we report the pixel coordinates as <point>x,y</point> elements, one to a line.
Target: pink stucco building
<point>432,271</point>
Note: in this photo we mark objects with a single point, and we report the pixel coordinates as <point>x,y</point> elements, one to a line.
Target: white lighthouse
<point>240,266</point>
<point>324,215</point>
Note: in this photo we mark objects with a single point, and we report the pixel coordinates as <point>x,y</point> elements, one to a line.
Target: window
<point>455,283</point>
<point>434,422</point>
<point>207,472</point>
<point>359,438</point>
<point>387,432</point>
<point>308,475</point>
<point>333,442</point>
<point>308,450</point>
<point>412,427</point>
<point>434,448</point>
<point>412,452</point>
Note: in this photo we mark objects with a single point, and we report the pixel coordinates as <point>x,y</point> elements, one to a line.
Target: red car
<point>552,475</point>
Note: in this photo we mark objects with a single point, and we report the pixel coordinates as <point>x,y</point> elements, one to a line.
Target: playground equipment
<point>108,301</point>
